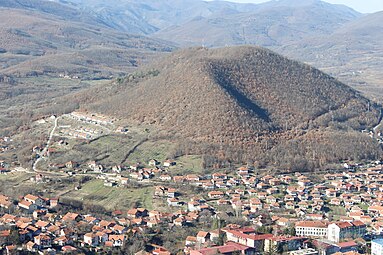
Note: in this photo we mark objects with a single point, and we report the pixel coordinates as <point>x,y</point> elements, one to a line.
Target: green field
<point>190,164</point>
<point>113,198</point>
<point>107,150</point>
<point>16,184</point>
<point>15,177</point>
<point>148,150</point>
<point>337,211</point>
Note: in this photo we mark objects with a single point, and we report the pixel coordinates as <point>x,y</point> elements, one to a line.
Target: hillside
<point>353,54</point>
<point>274,23</point>
<point>37,43</point>
<point>44,56</point>
<point>246,99</point>
<point>150,16</point>
<point>310,31</point>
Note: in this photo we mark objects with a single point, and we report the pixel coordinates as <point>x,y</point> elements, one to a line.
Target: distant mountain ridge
<point>353,53</point>
<point>274,23</point>
<point>309,31</point>
<point>36,43</point>
<point>150,16</point>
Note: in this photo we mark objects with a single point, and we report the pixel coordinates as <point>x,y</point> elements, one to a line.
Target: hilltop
<point>238,101</point>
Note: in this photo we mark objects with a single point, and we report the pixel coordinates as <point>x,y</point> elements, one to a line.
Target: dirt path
<point>380,122</point>
<point>44,151</point>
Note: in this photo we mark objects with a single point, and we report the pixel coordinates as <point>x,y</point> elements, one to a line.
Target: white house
<point>91,239</point>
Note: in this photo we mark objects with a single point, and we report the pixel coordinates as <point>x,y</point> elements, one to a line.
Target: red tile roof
<point>347,244</point>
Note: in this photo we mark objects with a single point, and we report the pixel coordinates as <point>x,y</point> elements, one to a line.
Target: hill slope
<point>44,56</point>
<point>34,42</point>
<point>321,34</point>
<point>271,24</point>
<point>243,98</point>
<point>353,53</point>
<point>149,16</point>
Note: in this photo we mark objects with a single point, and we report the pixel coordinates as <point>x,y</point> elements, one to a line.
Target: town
<point>242,212</point>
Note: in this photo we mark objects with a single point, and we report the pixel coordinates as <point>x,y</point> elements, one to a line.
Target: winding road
<point>379,123</point>
<point>44,151</point>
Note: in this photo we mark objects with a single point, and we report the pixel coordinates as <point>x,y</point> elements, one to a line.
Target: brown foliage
<point>236,104</point>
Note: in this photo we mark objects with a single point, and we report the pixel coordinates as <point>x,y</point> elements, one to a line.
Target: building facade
<point>311,228</point>
<point>377,247</point>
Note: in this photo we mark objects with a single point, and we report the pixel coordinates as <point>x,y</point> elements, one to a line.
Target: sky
<point>364,6</point>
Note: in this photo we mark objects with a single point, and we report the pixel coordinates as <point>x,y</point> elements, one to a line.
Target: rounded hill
<point>235,96</point>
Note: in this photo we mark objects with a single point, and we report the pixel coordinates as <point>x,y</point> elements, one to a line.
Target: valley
<point>190,127</point>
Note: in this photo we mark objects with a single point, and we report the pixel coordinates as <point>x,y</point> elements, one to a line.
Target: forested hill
<point>247,98</point>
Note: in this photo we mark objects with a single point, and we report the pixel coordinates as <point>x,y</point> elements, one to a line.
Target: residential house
<point>173,201</point>
<point>71,217</point>
<point>43,241</point>
<point>286,243</point>
<point>91,239</point>
<point>153,162</point>
<point>165,178</point>
<point>117,240</point>
<point>27,206</point>
<point>250,240</point>
<point>169,163</point>
<point>227,249</point>
<point>70,164</point>
<point>203,237</point>
<point>35,200</point>
<point>215,194</point>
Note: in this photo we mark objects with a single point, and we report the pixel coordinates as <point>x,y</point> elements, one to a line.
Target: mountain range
<point>36,41</point>
<point>334,38</point>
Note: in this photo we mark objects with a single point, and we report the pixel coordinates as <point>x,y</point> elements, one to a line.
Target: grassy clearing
<point>15,177</point>
<point>17,184</point>
<point>148,150</point>
<point>337,211</point>
<point>188,165</point>
<point>113,198</point>
<point>108,150</point>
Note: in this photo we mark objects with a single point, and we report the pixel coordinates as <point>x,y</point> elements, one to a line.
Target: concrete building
<point>377,247</point>
<point>342,230</point>
<point>311,228</point>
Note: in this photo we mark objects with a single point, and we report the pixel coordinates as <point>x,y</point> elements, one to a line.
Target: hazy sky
<point>365,6</point>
